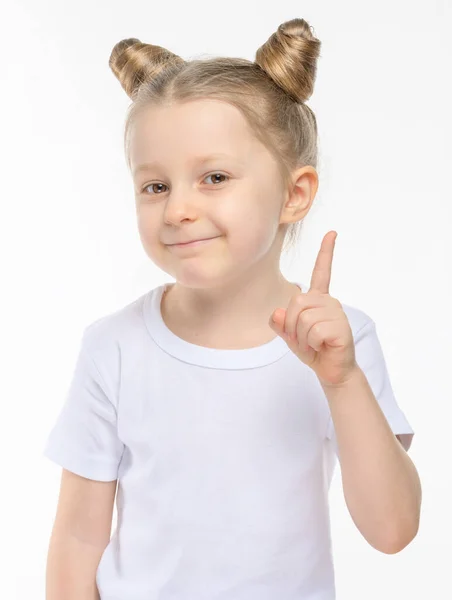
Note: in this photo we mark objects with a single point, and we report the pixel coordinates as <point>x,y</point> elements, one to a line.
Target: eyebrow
<point>199,159</point>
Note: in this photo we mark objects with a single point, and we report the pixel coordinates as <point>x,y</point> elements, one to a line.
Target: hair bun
<point>134,62</point>
<point>289,57</point>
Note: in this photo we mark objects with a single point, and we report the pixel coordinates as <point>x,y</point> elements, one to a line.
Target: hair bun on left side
<point>289,57</point>
<point>134,62</point>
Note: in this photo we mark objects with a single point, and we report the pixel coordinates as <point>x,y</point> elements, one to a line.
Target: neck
<point>234,310</point>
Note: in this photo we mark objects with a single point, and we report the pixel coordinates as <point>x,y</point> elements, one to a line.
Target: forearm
<point>71,569</point>
<point>381,485</point>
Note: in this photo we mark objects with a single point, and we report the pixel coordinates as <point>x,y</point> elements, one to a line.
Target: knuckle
<point>304,317</point>
<point>299,300</point>
<point>316,329</point>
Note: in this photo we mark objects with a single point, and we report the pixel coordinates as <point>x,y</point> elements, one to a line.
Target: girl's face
<point>198,173</point>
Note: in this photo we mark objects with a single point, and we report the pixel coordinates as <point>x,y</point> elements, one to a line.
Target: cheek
<point>143,230</point>
<point>252,236</point>
<point>147,221</point>
<point>148,232</point>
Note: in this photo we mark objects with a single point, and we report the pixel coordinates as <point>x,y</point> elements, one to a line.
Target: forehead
<point>196,128</point>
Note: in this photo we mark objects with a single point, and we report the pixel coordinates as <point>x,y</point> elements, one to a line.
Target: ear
<point>300,196</point>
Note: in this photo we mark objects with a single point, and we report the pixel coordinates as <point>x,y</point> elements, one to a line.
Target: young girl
<point>219,424</point>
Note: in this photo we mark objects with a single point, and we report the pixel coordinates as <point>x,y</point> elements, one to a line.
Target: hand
<point>316,328</point>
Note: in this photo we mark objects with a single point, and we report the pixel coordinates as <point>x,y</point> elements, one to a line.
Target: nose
<point>180,206</point>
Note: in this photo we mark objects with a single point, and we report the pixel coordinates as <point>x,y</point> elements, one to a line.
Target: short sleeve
<point>370,358</point>
<point>84,438</point>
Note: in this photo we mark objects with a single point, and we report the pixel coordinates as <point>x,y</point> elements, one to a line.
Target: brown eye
<point>152,185</point>
<point>217,174</point>
<point>158,186</point>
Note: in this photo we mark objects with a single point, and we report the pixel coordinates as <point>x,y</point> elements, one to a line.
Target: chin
<point>194,277</point>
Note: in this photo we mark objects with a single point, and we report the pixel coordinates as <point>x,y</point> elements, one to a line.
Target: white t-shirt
<point>223,458</point>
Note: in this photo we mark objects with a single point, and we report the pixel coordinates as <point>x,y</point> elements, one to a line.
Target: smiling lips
<point>193,243</point>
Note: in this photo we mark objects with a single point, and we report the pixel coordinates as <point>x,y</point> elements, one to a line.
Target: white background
<point>70,249</point>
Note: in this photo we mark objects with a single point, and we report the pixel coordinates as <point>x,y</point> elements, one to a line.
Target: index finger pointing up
<point>321,275</point>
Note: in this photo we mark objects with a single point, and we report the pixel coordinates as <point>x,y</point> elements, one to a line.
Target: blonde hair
<point>270,92</point>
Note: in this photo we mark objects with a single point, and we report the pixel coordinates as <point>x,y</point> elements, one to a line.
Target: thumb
<point>277,320</point>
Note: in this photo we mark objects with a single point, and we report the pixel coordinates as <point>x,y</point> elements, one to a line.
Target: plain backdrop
<point>70,249</point>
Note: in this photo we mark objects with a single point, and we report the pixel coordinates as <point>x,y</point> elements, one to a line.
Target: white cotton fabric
<point>223,458</point>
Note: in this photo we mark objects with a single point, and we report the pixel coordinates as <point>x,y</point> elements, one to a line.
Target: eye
<point>215,174</point>
<point>154,185</point>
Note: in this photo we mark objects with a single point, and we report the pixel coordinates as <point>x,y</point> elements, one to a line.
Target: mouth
<point>193,243</point>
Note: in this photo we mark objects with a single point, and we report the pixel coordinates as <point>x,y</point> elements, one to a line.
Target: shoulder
<point>360,322</point>
<point>105,336</point>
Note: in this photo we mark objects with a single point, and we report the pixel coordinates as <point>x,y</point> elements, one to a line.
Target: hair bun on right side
<point>289,57</point>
